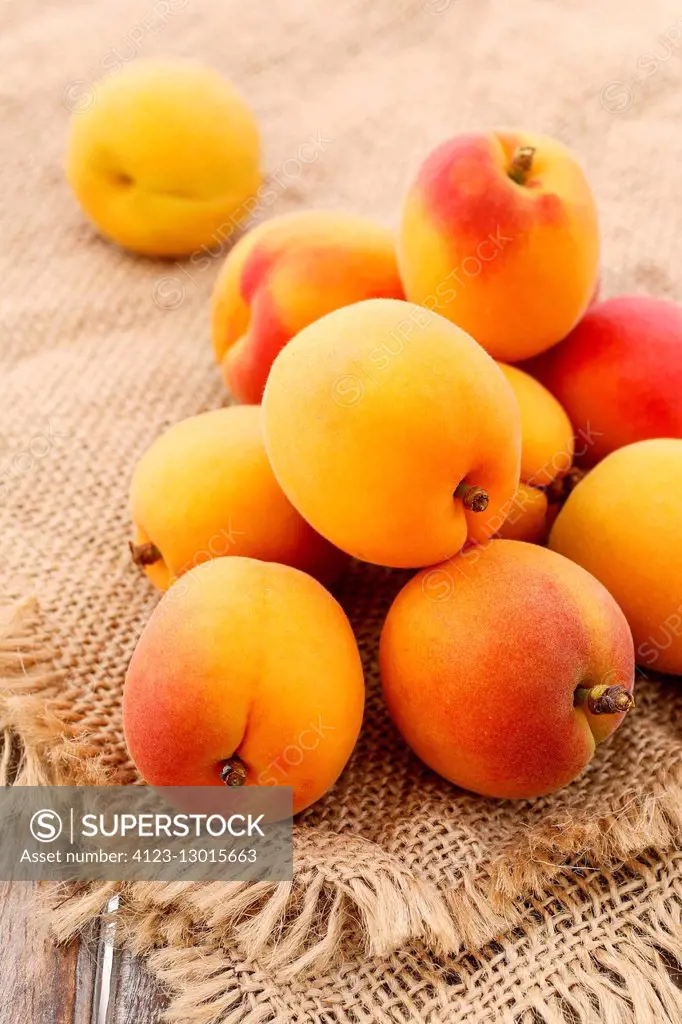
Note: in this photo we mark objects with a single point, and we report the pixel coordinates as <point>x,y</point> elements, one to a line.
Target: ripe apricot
<point>499,234</point>
<point>205,489</point>
<point>546,431</point>
<point>285,274</point>
<point>164,158</point>
<point>546,456</point>
<point>623,523</point>
<point>527,516</point>
<point>392,432</point>
<point>246,673</point>
<point>504,666</point>
<point>618,374</point>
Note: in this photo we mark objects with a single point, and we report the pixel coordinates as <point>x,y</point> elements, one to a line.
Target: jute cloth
<point>411,900</point>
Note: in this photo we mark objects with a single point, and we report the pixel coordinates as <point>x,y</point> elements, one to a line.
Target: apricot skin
<point>245,658</point>
<point>623,523</point>
<point>527,516</point>
<point>514,265</point>
<point>480,658</point>
<point>546,431</point>
<point>164,159</point>
<point>619,374</point>
<point>546,455</point>
<point>205,489</point>
<point>370,442</point>
<point>285,274</point>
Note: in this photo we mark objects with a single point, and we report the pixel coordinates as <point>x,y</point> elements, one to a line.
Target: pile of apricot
<point>452,399</point>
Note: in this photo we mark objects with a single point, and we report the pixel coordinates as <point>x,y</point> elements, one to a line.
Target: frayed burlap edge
<point>623,981</point>
<point>623,978</point>
<point>29,727</point>
<point>40,744</point>
<point>304,926</point>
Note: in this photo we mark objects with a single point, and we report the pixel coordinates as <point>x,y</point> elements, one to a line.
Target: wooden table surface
<point>40,984</point>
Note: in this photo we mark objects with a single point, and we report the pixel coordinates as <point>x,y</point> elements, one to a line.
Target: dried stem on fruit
<point>144,554</point>
<point>604,700</point>
<point>558,491</point>
<point>522,164</point>
<point>233,772</point>
<point>473,498</point>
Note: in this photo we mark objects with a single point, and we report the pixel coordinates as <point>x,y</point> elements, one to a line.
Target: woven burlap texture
<point>411,899</point>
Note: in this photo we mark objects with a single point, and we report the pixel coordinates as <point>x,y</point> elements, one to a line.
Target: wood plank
<point>38,982</point>
<point>41,983</point>
<point>135,995</point>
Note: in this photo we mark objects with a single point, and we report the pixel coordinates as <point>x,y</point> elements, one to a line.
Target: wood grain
<point>41,983</point>
<point>135,996</point>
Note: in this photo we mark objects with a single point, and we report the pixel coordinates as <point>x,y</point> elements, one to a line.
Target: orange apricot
<point>623,523</point>
<point>205,489</point>
<point>392,432</point>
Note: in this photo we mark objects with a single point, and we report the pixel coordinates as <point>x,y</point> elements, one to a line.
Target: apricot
<point>505,666</point>
<point>618,374</point>
<point>205,489</point>
<point>546,431</point>
<point>165,157</point>
<point>546,456</point>
<point>527,516</point>
<point>499,234</point>
<point>623,523</point>
<point>285,274</point>
<point>246,673</point>
<point>392,432</point>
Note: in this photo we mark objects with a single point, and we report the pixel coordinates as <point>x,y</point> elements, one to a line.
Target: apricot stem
<point>233,772</point>
<point>559,490</point>
<point>604,700</point>
<point>521,165</point>
<point>474,498</point>
<point>144,554</point>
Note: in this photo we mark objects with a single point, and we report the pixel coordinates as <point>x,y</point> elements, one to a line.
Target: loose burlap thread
<point>411,900</point>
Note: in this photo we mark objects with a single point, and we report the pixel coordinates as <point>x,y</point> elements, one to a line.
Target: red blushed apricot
<point>247,673</point>
<point>285,274</point>
<point>618,374</point>
<point>504,666</point>
<point>499,234</point>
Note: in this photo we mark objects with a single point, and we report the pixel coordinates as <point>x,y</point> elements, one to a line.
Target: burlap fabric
<point>411,899</point>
